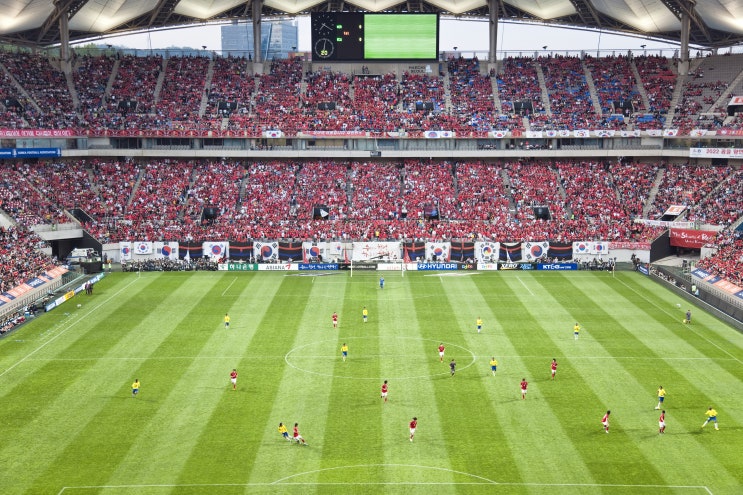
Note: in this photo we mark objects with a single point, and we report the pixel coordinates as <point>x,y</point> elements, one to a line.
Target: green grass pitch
<point>70,425</point>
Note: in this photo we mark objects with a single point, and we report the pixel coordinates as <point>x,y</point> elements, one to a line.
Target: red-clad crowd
<point>195,93</point>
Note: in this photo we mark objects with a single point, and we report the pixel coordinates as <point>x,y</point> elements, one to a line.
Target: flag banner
<point>266,250</point>
<point>550,133</point>
<point>581,247</point>
<point>438,251</point>
<point>603,133</point>
<point>498,134</point>
<point>581,133</point>
<point>697,132</point>
<point>600,247</point>
<point>414,251</point>
<point>365,251</point>
<point>216,249</point>
<point>563,133</point>
<point>670,132</point>
<point>167,249</point>
<point>532,251</point>
<point>290,251</point>
<point>486,252</point>
<point>328,252</point>
<point>273,134</point>
<point>125,251</point>
<point>143,247</point>
<point>241,250</point>
<point>462,251</point>
<point>694,239</point>
<point>189,250</point>
<point>633,133</point>
<point>560,250</point>
<point>533,134</point>
<point>509,251</point>
<point>655,132</point>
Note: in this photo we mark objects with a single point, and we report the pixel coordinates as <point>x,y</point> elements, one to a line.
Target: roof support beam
<point>493,8</point>
<point>257,48</point>
<point>587,13</point>
<point>49,30</point>
<point>679,8</point>
<point>161,13</point>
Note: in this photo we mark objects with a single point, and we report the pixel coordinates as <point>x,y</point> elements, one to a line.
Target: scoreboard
<point>356,36</point>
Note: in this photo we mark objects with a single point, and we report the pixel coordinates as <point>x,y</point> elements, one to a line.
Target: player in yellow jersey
<point>479,324</point>
<point>284,432</point>
<point>135,387</point>
<point>344,351</point>
<point>365,314</point>
<point>661,396</point>
<point>226,320</point>
<point>711,416</point>
<point>493,365</point>
<point>576,330</point>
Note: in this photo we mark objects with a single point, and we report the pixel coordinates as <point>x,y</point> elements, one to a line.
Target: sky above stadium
<point>468,36</point>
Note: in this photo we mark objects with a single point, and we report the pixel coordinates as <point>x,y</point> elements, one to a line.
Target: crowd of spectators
<point>183,89</point>
<point>571,106</point>
<point>128,93</point>
<point>616,87</point>
<point>519,83</point>
<point>727,262</point>
<point>686,185</point>
<point>659,82</point>
<point>167,199</point>
<point>20,257</point>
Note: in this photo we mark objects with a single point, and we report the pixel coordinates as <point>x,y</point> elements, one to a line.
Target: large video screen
<point>358,37</point>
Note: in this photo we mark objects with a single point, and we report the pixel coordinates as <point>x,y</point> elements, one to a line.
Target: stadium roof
<point>714,23</point>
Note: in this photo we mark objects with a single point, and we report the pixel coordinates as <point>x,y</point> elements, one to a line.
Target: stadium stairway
<point>592,89</point>
<point>640,85</point>
<point>543,88</point>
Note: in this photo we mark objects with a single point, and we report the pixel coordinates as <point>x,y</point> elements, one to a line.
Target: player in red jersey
<point>413,426</point>
<point>524,384</point>
<point>553,366</point>
<point>297,437</point>
<point>233,379</point>
<point>441,352</point>
<point>662,422</point>
<point>335,320</point>
<point>384,391</point>
<point>605,421</point>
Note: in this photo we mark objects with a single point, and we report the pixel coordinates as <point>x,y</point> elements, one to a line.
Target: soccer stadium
<point>376,265</point>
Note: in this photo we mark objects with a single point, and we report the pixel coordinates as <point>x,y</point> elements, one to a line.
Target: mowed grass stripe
<point>706,333</point>
<point>235,427</point>
<point>69,395</point>
<point>198,380</point>
<point>697,385</point>
<point>634,417</point>
<point>458,306</point>
<point>542,423</point>
<point>302,387</point>
<point>518,418</point>
<point>353,431</point>
<point>407,322</point>
<point>125,421</point>
<point>580,416</point>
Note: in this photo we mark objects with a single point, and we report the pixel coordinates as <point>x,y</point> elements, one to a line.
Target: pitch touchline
<point>364,356</point>
<point>70,326</point>
<point>695,333</point>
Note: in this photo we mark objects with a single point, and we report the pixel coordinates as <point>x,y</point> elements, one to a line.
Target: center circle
<point>367,355</point>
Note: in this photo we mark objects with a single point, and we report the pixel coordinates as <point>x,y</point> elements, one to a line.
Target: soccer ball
<point>79,305</point>
<point>683,321</point>
<point>678,305</point>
